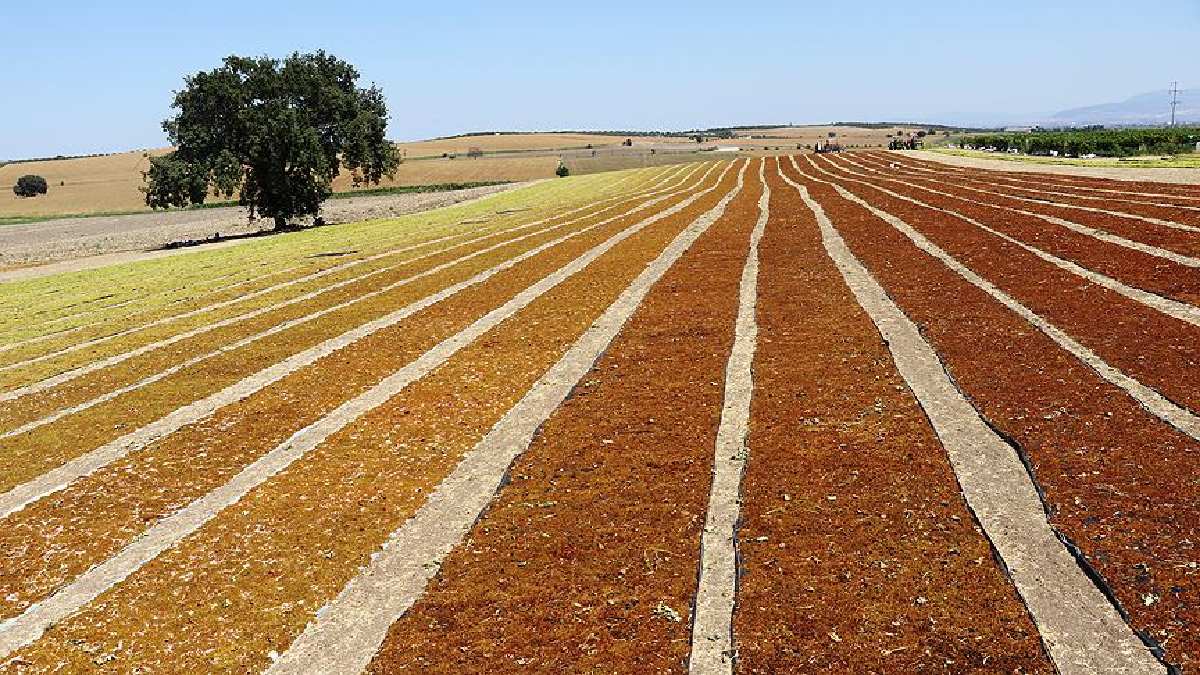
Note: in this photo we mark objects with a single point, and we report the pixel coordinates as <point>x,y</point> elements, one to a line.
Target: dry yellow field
<point>509,142</point>
<point>809,135</point>
<point>83,185</point>
<point>111,183</point>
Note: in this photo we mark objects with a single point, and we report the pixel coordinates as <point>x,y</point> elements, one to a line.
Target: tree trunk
<point>280,222</point>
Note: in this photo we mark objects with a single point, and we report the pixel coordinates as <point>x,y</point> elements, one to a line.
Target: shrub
<point>30,186</point>
<point>562,171</point>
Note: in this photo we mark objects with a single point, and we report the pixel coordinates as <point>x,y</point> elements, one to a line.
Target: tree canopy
<point>1099,141</point>
<point>277,132</point>
<point>30,186</point>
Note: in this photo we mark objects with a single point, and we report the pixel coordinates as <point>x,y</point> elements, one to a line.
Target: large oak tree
<point>277,132</point>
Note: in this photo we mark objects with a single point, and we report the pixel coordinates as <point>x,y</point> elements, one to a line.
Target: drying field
<point>857,413</point>
<point>79,185</point>
<point>111,185</point>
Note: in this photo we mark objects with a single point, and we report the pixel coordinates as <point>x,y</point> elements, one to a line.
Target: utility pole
<point>1174,100</point>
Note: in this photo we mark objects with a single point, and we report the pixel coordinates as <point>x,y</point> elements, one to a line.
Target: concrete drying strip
<point>349,630</point>
<point>37,618</point>
<point>712,621</point>
<point>1082,631</point>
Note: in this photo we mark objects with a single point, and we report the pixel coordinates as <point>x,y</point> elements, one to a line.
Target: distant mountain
<point>1149,108</point>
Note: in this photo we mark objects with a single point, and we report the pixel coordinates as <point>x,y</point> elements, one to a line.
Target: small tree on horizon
<point>276,132</point>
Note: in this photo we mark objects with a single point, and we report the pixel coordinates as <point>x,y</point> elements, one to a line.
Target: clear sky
<point>83,76</point>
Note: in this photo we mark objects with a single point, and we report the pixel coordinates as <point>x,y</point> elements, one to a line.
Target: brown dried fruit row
<point>198,352</point>
<point>982,180</point>
<point>1097,196</point>
<point>1075,224</point>
<point>1157,350</point>
<point>1134,268</point>
<point>257,572</point>
<point>1153,401</point>
<point>859,553</point>
<point>35,452</point>
<point>54,540</point>
<point>1081,630</point>
<point>1081,182</point>
<point>54,364</point>
<point>349,630</point>
<point>1117,482</point>
<point>1186,243</point>
<point>587,559</point>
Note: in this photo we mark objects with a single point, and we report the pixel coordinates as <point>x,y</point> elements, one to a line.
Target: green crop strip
<point>43,306</point>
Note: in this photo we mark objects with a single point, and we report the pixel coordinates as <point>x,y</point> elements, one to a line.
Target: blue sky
<point>82,76</point>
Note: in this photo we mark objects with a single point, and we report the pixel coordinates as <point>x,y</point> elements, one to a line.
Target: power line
<point>1174,99</point>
